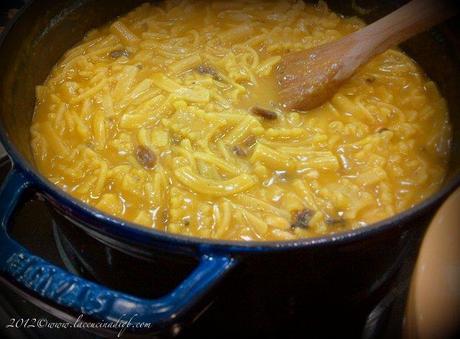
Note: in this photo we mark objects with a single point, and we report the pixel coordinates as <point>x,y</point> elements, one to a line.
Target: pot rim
<point>117,225</point>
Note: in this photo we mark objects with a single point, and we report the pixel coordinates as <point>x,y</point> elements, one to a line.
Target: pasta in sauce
<point>168,117</point>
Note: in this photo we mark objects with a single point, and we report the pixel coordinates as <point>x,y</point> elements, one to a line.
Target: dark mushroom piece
<point>242,150</point>
<point>145,156</point>
<point>302,218</point>
<point>264,113</point>
<point>119,53</point>
<point>205,69</point>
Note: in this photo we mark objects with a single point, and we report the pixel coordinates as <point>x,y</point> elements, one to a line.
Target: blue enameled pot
<point>324,283</point>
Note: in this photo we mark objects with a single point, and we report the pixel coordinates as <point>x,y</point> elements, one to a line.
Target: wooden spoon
<point>308,78</point>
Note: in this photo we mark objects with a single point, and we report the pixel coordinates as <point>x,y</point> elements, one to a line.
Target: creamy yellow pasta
<point>168,117</point>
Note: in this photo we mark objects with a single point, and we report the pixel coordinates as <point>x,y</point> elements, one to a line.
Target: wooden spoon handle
<point>407,21</point>
<point>308,78</point>
<point>410,19</point>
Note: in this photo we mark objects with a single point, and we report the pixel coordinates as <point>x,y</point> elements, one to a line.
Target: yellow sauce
<point>168,117</point>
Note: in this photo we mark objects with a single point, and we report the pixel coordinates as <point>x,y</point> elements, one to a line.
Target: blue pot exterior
<point>303,288</point>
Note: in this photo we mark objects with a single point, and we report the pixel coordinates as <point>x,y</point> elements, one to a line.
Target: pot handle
<point>36,277</point>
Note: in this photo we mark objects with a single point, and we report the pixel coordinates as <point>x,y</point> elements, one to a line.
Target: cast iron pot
<point>323,285</point>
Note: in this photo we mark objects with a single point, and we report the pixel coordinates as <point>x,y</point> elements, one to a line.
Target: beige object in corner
<point>433,308</point>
